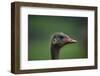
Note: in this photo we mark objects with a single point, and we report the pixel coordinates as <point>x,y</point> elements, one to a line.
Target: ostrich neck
<point>55,51</point>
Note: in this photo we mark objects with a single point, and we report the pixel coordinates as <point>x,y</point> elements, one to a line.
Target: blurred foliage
<point>40,29</point>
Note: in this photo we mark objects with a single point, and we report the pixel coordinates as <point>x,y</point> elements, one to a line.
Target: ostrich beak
<point>73,41</point>
<point>69,40</point>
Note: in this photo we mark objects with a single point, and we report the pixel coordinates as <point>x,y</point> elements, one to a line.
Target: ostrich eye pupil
<point>61,37</point>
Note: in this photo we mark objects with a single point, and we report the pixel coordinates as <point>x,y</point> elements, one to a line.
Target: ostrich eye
<point>61,37</point>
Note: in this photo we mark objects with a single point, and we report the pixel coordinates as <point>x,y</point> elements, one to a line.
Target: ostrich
<point>58,40</point>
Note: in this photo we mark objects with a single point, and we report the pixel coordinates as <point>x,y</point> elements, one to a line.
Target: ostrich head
<point>59,40</point>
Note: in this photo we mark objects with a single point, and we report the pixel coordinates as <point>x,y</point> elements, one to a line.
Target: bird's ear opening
<point>54,41</point>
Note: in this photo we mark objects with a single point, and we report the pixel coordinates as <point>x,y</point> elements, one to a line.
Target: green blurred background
<point>40,29</point>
